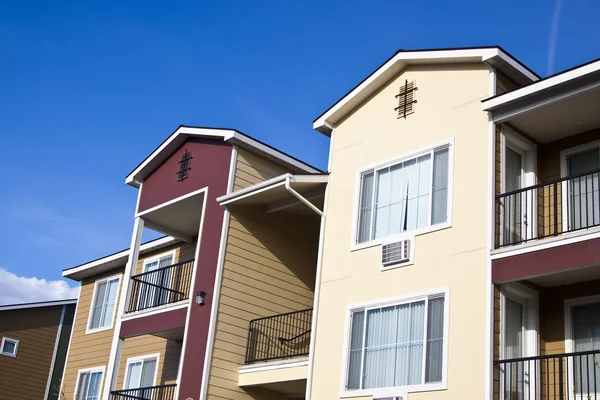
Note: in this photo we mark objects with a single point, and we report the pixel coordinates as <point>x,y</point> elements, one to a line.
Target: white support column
<point>110,379</point>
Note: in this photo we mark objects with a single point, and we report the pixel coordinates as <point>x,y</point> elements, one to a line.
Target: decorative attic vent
<point>184,166</point>
<point>406,99</point>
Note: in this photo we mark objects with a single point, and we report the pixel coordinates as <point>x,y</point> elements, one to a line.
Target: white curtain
<point>512,204</point>
<point>104,303</point>
<point>439,203</point>
<point>88,387</point>
<point>366,205</point>
<point>133,375</point>
<point>356,343</point>
<point>435,340</point>
<point>402,198</point>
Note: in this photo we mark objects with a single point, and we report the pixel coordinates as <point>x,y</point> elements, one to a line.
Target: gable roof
<point>233,136</point>
<point>38,304</point>
<point>115,260</point>
<point>492,55</point>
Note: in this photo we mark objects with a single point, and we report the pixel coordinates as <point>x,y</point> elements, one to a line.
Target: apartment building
<point>461,254</point>
<point>403,298</point>
<point>221,307</point>
<point>34,338</point>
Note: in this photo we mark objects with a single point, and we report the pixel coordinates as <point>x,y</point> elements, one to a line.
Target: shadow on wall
<point>171,362</point>
<point>293,239</point>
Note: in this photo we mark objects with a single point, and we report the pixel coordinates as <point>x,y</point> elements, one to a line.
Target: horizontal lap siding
<point>269,269</point>
<point>91,350</point>
<point>26,375</point>
<point>168,363</point>
<point>252,169</point>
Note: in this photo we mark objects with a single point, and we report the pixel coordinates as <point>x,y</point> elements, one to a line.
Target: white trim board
<point>155,310</point>
<point>271,365</point>
<point>182,133</point>
<point>23,306</point>
<point>121,255</point>
<point>56,342</point>
<point>391,68</point>
<point>119,279</point>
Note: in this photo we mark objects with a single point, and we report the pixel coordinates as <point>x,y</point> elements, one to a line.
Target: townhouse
<point>226,292</point>
<point>34,339</point>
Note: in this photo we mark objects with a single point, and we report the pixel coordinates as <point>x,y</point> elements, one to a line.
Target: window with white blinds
<point>103,304</point>
<point>405,196</point>
<point>398,345</point>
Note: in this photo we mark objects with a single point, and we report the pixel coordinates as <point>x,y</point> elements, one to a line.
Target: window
<point>141,372</point>
<point>156,276</point>
<point>408,195</point>
<point>89,384</point>
<point>9,347</point>
<point>398,345</point>
<point>103,304</point>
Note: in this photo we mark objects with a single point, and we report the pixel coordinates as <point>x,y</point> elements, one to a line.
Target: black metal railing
<point>571,376</point>
<point>162,392</point>
<point>549,209</point>
<point>279,336</point>
<point>161,286</point>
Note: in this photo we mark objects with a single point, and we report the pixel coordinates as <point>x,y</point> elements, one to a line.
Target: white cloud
<point>553,36</point>
<point>19,289</point>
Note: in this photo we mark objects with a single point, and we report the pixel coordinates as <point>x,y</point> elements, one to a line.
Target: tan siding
<point>269,269</point>
<point>26,375</point>
<point>169,355</point>
<point>252,169</point>
<point>91,350</point>
<point>183,252</point>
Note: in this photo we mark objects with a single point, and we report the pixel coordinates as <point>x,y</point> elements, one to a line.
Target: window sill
<point>8,355</point>
<point>402,236</point>
<point>401,391</point>
<point>96,330</point>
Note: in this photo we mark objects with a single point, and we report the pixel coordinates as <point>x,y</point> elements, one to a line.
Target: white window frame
<point>157,257</point>
<point>91,370</point>
<point>400,390</point>
<point>354,245</point>
<point>564,171</point>
<point>7,339</point>
<point>528,151</point>
<point>569,345</point>
<point>89,330</point>
<point>132,360</point>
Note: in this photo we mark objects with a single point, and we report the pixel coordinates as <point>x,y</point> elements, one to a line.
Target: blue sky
<point>88,90</point>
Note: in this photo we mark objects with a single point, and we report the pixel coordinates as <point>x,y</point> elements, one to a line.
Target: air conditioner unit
<point>395,252</point>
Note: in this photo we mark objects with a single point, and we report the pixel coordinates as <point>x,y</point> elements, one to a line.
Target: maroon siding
<point>554,259</point>
<point>153,323</point>
<point>209,168</point>
<point>208,160</point>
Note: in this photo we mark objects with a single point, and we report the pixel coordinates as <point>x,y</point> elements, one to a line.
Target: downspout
<point>300,197</point>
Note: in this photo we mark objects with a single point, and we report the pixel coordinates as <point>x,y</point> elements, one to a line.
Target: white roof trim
<point>38,304</point>
<point>254,189</point>
<point>271,184</point>
<point>495,102</point>
<point>178,137</point>
<point>399,62</point>
<point>122,254</point>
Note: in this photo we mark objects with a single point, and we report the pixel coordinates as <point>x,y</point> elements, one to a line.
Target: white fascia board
<point>38,305</point>
<point>175,140</point>
<point>322,178</point>
<point>120,255</point>
<point>514,64</point>
<point>493,103</point>
<point>254,189</point>
<point>254,144</point>
<point>393,66</point>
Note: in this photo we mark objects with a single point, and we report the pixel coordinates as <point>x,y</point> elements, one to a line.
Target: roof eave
<point>494,56</point>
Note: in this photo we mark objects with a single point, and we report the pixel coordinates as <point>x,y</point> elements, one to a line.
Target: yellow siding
<point>269,269</point>
<point>26,375</point>
<point>91,350</point>
<point>169,355</point>
<point>252,169</point>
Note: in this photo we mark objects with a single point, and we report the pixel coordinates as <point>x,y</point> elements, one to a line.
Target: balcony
<point>549,209</point>
<point>159,287</point>
<point>163,392</point>
<point>558,377</point>
<point>279,336</point>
